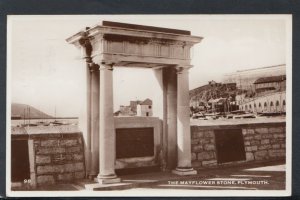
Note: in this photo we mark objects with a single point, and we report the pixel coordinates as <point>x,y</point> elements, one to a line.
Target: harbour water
<point>20,122</point>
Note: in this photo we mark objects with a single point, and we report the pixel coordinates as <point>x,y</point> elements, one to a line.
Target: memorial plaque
<point>229,145</point>
<point>134,142</point>
<point>20,161</point>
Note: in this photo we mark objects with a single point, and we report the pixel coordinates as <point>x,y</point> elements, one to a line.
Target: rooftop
<point>270,79</point>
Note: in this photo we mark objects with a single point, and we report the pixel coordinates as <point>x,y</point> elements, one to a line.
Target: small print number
<point>27,180</point>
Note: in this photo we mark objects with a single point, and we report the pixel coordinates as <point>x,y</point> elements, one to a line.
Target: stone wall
<point>262,141</point>
<point>54,157</point>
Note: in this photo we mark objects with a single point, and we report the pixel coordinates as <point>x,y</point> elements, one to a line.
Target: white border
<point>158,192</point>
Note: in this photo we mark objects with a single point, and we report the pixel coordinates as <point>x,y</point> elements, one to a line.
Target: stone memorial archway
<point>113,44</point>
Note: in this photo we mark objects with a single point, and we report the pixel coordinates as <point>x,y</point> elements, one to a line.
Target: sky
<point>45,71</point>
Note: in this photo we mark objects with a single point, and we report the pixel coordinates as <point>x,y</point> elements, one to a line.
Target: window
<point>259,105</point>
<point>246,107</point>
<point>271,103</point>
<point>277,103</point>
<point>255,105</point>
<point>250,106</point>
<point>265,104</point>
<point>283,103</point>
<point>149,107</point>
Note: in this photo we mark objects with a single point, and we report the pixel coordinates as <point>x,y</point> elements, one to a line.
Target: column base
<point>107,179</point>
<point>184,171</point>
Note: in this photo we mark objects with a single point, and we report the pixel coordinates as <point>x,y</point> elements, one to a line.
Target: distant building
<point>269,96</point>
<point>144,108</point>
<point>136,108</point>
<point>270,83</point>
<point>246,78</point>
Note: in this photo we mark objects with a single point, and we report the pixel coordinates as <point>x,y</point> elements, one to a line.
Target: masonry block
<point>247,143</point>
<point>244,131</point>
<point>250,131</point>
<point>209,134</point>
<point>49,143</point>
<point>48,150</point>
<point>248,138</point>
<point>197,148</point>
<point>265,146</point>
<point>249,156</point>
<point>194,156</point>
<point>255,142</point>
<point>70,142</point>
<point>276,146</point>
<point>257,137</point>
<point>78,157</point>
<point>46,169</point>
<point>80,141</point>
<point>251,148</point>
<point>276,130</point>
<point>261,130</point>
<point>57,158</point>
<point>260,155</point>
<point>73,149</point>
<point>204,141</point>
<point>40,159</point>
<point>277,153</point>
<point>279,135</point>
<point>194,141</point>
<point>198,134</point>
<point>267,136</point>
<point>73,167</point>
<point>209,147</point>
<point>206,155</point>
<point>265,141</point>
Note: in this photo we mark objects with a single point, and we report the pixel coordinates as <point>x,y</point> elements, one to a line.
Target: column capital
<point>85,43</point>
<point>93,67</point>
<point>107,66</point>
<point>183,69</point>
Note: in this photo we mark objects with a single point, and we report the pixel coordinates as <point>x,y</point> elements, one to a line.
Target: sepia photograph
<point>149,105</point>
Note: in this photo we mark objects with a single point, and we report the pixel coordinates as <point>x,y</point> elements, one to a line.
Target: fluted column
<point>94,120</point>
<point>107,134</point>
<point>184,159</point>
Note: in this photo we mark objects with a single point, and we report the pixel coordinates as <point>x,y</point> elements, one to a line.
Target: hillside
<point>18,111</point>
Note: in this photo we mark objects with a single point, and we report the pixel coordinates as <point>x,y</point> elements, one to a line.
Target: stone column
<point>170,81</point>
<point>95,75</point>
<point>107,129</point>
<point>184,162</point>
<point>85,111</point>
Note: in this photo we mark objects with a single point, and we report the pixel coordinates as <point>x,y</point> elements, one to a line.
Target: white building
<point>144,108</point>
